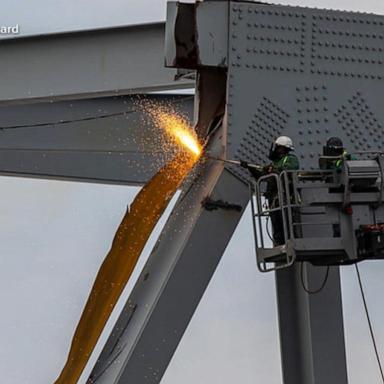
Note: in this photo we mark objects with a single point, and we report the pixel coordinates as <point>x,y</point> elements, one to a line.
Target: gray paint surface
<point>311,73</point>
<point>94,63</point>
<point>105,140</point>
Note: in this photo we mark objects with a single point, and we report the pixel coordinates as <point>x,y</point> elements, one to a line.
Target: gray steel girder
<point>105,140</point>
<point>172,282</point>
<point>85,64</point>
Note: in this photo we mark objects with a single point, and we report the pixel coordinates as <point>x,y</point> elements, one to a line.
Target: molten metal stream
<point>127,246</point>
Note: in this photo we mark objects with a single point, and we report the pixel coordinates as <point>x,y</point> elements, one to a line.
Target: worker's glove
<point>244,164</point>
<point>269,169</point>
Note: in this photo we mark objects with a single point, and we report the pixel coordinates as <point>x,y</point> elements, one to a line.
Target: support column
<point>311,326</point>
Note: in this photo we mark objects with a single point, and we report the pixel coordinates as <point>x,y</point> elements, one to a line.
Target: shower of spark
<point>176,127</point>
<point>179,129</point>
<point>132,235</point>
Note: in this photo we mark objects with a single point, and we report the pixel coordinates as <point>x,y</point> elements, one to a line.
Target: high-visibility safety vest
<point>287,162</point>
<point>345,156</point>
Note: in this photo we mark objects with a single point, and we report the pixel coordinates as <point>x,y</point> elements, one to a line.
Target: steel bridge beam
<point>104,140</point>
<point>85,64</point>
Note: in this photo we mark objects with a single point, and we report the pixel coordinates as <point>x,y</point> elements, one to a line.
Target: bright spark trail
<point>130,239</point>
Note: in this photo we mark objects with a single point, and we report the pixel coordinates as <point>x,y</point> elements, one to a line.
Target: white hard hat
<point>285,141</point>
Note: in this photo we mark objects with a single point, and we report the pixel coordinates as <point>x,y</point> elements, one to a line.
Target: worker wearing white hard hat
<point>282,156</point>
<point>282,159</point>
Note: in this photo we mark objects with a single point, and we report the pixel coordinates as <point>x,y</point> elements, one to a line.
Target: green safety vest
<point>287,162</point>
<point>338,163</point>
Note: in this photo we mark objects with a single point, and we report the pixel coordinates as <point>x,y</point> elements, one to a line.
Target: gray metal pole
<point>311,326</point>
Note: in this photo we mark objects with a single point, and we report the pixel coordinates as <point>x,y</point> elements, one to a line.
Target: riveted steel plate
<point>306,73</point>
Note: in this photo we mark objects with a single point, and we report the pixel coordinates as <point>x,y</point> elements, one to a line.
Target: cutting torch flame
<point>179,129</point>
<point>187,139</point>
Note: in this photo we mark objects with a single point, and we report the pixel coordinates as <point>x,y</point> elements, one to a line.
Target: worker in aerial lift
<point>281,156</point>
<point>283,159</point>
<point>334,154</point>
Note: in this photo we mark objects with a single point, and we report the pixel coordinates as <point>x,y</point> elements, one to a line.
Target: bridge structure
<point>258,71</point>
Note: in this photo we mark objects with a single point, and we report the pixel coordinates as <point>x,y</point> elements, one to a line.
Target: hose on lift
<point>321,286</point>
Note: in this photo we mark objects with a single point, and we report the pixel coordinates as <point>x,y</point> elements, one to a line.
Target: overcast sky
<point>54,235</point>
